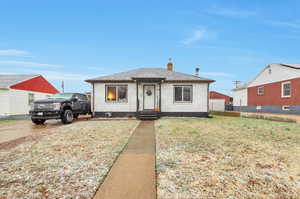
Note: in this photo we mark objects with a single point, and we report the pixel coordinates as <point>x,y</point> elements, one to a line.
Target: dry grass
<point>70,163</point>
<point>227,157</point>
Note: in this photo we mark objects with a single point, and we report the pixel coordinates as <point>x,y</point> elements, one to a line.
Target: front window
<point>260,90</point>
<point>116,93</point>
<point>30,98</point>
<point>183,93</point>
<point>286,89</point>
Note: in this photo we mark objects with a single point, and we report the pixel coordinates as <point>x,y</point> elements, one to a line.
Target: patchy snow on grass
<point>227,157</point>
<point>70,163</point>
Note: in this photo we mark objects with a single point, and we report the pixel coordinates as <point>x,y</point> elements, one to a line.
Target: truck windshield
<point>62,95</point>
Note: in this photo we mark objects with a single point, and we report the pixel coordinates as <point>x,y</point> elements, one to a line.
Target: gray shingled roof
<point>8,80</point>
<point>150,73</point>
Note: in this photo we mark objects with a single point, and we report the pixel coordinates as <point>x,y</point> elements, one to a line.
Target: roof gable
<point>149,73</point>
<point>275,73</point>
<point>35,83</point>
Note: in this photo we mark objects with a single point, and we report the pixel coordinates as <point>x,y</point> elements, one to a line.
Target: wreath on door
<point>149,92</point>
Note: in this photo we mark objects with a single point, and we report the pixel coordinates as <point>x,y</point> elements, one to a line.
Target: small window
<point>183,93</point>
<point>286,89</point>
<point>285,108</point>
<point>258,107</point>
<point>30,98</point>
<point>116,93</point>
<point>261,90</point>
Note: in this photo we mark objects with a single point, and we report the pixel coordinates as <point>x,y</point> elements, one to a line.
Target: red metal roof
<point>36,84</point>
<point>216,95</point>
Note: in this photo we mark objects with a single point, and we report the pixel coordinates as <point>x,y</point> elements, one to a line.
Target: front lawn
<point>227,157</point>
<point>69,163</point>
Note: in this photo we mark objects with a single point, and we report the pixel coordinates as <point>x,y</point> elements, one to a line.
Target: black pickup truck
<point>64,106</point>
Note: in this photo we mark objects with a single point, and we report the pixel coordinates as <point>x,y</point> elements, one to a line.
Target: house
<point>219,101</point>
<point>150,92</point>
<point>276,89</point>
<point>240,96</point>
<point>17,92</point>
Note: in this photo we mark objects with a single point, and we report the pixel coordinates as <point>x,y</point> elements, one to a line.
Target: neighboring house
<point>159,91</point>
<point>240,96</point>
<point>219,101</point>
<point>276,89</point>
<point>17,92</point>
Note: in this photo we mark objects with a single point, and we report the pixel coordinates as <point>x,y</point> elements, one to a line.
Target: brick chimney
<point>170,65</point>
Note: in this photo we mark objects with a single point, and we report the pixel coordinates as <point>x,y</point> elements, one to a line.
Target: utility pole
<point>63,86</point>
<point>236,83</point>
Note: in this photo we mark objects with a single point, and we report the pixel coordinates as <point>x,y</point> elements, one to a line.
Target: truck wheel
<point>38,121</point>
<point>67,117</point>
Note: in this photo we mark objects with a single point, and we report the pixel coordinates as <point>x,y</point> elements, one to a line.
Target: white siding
<point>240,97</point>
<point>102,106</point>
<point>4,102</point>
<point>18,100</point>
<point>278,73</point>
<point>199,103</point>
<point>217,104</point>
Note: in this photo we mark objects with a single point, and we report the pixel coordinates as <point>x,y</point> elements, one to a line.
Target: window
<point>260,90</point>
<point>116,93</point>
<point>286,89</point>
<point>183,93</point>
<point>285,108</point>
<point>30,98</point>
<point>82,97</point>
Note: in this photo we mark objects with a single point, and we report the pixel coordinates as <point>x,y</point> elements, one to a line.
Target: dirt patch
<point>14,132</point>
<point>226,113</point>
<point>272,117</point>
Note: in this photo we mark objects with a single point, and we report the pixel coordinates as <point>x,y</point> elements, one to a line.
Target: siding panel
<point>199,103</point>
<point>4,102</point>
<point>272,94</point>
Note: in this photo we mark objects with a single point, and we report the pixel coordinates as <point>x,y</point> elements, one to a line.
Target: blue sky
<point>75,40</point>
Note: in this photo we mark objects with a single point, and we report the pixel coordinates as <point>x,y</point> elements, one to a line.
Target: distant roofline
<point>29,78</point>
<point>33,76</point>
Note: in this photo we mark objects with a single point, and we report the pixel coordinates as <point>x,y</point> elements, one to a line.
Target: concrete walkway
<point>133,174</point>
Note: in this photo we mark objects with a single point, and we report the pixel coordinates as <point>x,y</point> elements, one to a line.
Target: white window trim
<point>183,102</point>
<point>286,108</point>
<point>33,98</point>
<point>117,101</point>
<point>262,92</point>
<point>282,89</point>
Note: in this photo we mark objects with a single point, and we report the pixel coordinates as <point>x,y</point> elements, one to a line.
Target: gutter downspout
<point>208,99</point>
<point>137,98</point>
<point>93,110</point>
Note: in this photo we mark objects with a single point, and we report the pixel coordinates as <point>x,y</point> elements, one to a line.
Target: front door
<point>149,97</point>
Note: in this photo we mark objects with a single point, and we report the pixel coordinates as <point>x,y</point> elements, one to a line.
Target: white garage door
<point>217,104</point>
